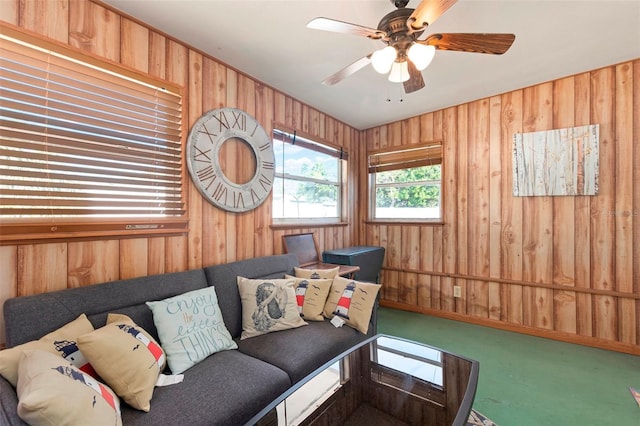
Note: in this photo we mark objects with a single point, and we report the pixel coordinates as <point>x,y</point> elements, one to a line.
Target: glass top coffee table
<point>387,379</point>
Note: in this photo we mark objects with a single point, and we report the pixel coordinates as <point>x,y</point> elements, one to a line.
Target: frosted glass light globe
<point>382,59</point>
<point>399,72</point>
<point>421,55</point>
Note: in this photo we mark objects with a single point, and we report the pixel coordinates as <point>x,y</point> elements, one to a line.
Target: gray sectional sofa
<point>228,387</point>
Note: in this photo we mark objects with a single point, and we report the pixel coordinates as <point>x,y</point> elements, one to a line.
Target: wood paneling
<point>560,267</point>
<point>214,236</point>
<point>92,28</point>
<point>48,18</point>
<point>93,262</point>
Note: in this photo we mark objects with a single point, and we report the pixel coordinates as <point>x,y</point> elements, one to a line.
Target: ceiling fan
<point>405,55</point>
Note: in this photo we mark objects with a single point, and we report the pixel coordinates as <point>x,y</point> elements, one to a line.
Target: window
<point>308,180</point>
<point>85,148</point>
<point>406,183</point>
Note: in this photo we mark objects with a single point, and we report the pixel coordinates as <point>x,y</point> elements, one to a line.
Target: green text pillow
<point>51,391</point>
<point>352,301</point>
<point>311,295</point>
<point>268,305</point>
<point>61,342</point>
<point>316,273</point>
<point>190,327</point>
<point>126,357</point>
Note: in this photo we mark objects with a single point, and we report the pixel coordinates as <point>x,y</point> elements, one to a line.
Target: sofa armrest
<point>373,322</point>
<point>9,405</point>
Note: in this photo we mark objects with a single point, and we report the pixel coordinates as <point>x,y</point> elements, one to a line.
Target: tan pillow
<point>316,273</point>
<point>61,341</point>
<point>126,357</point>
<point>352,301</point>
<point>268,305</point>
<point>311,295</point>
<point>51,391</point>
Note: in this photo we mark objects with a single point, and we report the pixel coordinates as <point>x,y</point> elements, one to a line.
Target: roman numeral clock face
<point>206,139</point>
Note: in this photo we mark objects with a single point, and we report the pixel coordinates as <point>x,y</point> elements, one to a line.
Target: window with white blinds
<point>406,183</point>
<point>309,182</point>
<point>82,142</point>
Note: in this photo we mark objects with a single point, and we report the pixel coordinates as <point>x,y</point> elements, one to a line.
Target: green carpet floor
<point>526,380</point>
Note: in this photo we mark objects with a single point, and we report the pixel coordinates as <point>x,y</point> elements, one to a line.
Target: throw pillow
<point>352,301</point>
<point>316,273</point>
<point>51,391</point>
<point>268,305</point>
<point>190,327</point>
<point>311,295</point>
<point>126,357</point>
<point>61,341</point>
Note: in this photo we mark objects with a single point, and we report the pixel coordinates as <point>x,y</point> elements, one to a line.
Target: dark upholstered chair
<point>305,247</point>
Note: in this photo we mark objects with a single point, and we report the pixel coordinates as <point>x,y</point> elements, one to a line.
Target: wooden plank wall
<point>560,267</point>
<point>215,236</point>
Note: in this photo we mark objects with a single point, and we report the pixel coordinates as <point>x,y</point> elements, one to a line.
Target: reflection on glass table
<point>384,380</point>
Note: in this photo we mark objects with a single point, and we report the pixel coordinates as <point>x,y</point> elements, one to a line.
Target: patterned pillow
<point>311,295</point>
<point>316,273</point>
<point>186,319</point>
<point>126,357</point>
<point>352,301</point>
<point>268,305</point>
<point>61,341</point>
<point>51,391</point>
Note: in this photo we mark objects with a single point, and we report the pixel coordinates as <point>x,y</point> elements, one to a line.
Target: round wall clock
<point>206,138</point>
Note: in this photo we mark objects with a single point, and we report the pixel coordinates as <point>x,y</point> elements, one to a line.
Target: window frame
<point>57,227</point>
<point>405,157</point>
<point>292,136</point>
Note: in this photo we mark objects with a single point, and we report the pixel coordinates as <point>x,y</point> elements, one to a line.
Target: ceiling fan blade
<point>347,71</point>
<point>495,44</point>
<point>427,12</point>
<point>334,26</point>
<point>415,82</point>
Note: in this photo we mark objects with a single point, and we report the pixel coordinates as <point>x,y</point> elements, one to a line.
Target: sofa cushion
<point>268,305</point>
<point>24,314</point>
<point>57,342</point>
<point>9,404</point>
<point>190,327</point>
<point>227,388</point>
<point>311,296</point>
<point>126,357</point>
<point>53,392</point>
<point>353,301</point>
<point>225,278</point>
<point>299,351</point>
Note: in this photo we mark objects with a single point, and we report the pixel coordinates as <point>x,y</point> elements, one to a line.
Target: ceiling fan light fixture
<point>382,60</point>
<point>399,72</point>
<point>421,55</point>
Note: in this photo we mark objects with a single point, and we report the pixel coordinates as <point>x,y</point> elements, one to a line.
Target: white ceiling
<point>269,41</point>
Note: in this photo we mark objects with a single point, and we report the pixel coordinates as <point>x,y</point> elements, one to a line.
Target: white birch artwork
<point>556,162</point>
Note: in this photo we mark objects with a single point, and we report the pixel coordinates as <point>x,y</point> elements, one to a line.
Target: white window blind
<point>79,141</point>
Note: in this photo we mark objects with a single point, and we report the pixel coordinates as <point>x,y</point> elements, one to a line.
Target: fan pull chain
<point>400,99</point>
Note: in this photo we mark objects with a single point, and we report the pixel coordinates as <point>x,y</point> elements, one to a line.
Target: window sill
<point>404,222</point>
<point>31,233</point>
<point>276,226</point>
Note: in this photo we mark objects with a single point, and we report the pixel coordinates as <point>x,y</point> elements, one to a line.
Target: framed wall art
<point>556,162</point>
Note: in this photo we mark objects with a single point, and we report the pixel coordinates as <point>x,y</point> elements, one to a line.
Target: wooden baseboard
<point>594,342</point>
